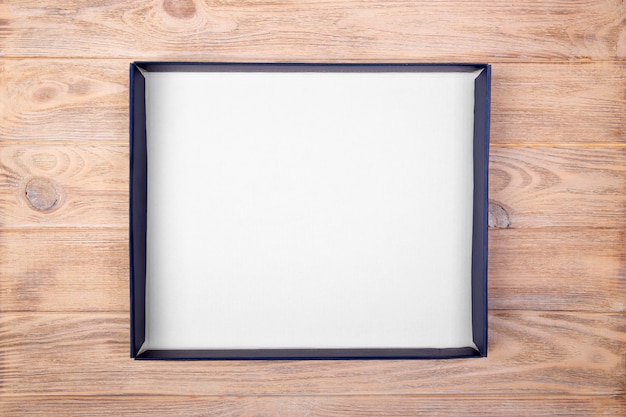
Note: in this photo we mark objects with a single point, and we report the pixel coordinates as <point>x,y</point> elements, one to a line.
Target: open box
<point>308,211</point>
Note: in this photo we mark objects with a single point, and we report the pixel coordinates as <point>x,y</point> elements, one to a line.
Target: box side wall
<point>481,204</point>
<point>138,198</point>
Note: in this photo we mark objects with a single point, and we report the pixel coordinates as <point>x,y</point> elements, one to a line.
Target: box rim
<point>137,208</point>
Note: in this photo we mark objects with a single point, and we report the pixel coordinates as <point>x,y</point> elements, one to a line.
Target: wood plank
<point>532,186</point>
<point>557,269</point>
<point>558,103</point>
<point>530,353</point>
<point>316,30</point>
<point>87,100</point>
<point>64,270</point>
<point>64,100</point>
<point>558,186</point>
<point>533,269</point>
<point>63,185</point>
<point>87,185</point>
<point>319,406</point>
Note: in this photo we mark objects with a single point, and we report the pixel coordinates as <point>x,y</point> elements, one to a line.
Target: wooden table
<point>558,212</point>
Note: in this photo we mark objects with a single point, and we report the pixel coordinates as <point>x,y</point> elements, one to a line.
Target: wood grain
<point>530,353</point>
<point>63,100</point>
<point>557,269</point>
<point>87,100</point>
<point>90,182</point>
<point>529,269</point>
<point>318,406</point>
<point>559,103</point>
<point>535,186</point>
<point>558,186</point>
<point>315,30</point>
<point>64,270</point>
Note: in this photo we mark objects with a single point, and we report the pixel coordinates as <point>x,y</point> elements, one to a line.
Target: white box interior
<point>309,210</point>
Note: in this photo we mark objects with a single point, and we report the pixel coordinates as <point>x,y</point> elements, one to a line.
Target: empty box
<point>308,211</point>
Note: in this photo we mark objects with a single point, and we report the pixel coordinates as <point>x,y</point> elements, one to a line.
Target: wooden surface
<point>557,186</point>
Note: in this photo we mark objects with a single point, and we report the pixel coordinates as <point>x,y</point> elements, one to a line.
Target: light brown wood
<point>319,406</point>
<point>315,30</point>
<point>557,268</point>
<point>530,353</point>
<point>61,100</point>
<point>550,186</point>
<point>64,270</point>
<point>87,100</point>
<point>90,183</point>
<point>559,103</point>
<point>529,269</point>
<point>535,186</point>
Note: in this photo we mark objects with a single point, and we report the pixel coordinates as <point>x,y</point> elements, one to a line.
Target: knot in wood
<point>498,216</point>
<point>45,94</point>
<point>180,9</point>
<point>42,194</point>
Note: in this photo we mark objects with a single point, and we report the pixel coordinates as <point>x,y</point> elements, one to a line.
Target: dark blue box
<point>140,148</point>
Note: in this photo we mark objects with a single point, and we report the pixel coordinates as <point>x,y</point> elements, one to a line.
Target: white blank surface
<point>309,210</point>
